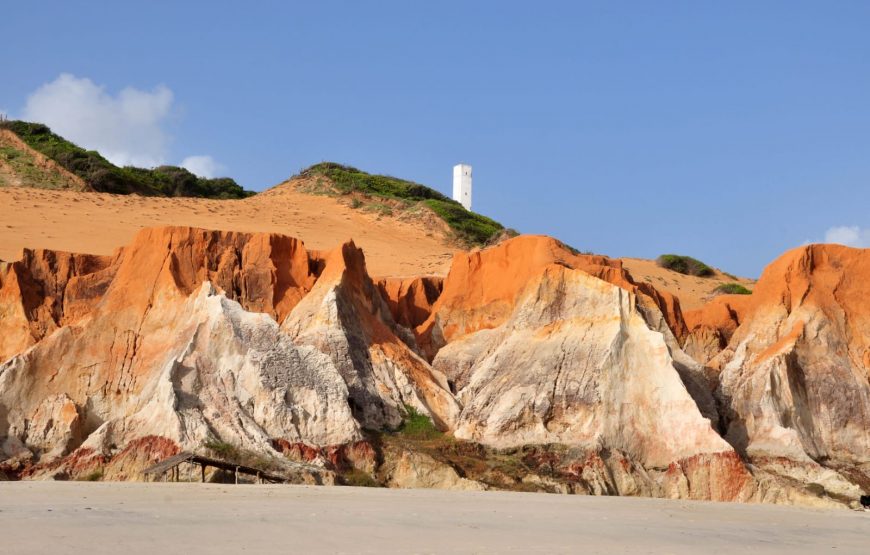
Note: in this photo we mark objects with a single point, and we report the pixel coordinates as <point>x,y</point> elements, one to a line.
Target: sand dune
<point>98,223</point>
<point>693,291</point>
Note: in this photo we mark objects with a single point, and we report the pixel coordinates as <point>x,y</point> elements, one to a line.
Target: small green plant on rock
<point>230,453</point>
<point>418,426</point>
<point>732,289</point>
<point>221,449</point>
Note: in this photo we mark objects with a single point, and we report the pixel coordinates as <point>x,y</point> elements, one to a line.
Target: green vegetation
<point>504,234</point>
<point>358,478</point>
<point>684,265</point>
<point>230,453</point>
<point>569,248</point>
<point>547,468</point>
<point>471,228</point>
<point>94,476</point>
<point>221,449</point>
<point>348,179</point>
<point>103,176</point>
<point>732,289</point>
<point>379,208</point>
<point>28,173</point>
<point>418,426</point>
<point>505,469</point>
<point>574,251</point>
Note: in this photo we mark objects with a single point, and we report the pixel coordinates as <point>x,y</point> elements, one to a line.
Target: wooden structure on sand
<point>172,463</point>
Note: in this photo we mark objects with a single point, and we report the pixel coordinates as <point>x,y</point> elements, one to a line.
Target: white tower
<point>462,185</point>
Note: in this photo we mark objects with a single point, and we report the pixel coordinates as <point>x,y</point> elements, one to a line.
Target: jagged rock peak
<point>482,287</point>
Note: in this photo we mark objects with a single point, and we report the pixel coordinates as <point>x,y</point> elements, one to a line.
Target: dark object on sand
<point>171,464</point>
<point>865,501</point>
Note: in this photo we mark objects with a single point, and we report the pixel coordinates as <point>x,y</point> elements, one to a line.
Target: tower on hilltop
<point>462,185</point>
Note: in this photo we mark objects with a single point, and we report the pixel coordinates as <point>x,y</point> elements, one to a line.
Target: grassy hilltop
<point>105,177</point>
<point>170,181</point>
<point>472,228</point>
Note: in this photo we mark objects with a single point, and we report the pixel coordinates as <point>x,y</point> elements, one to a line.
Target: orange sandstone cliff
<point>709,328</point>
<point>795,376</point>
<point>187,336</point>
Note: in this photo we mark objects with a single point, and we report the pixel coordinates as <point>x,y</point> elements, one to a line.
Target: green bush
<point>732,289</point>
<point>358,478</point>
<point>380,208</point>
<point>94,476</point>
<point>684,265</point>
<point>105,177</point>
<point>471,228</point>
<point>574,251</point>
<point>222,449</point>
<point>28,171</point>
<point>232,454</point>
<point>418,426</point>
<point>348,179</point>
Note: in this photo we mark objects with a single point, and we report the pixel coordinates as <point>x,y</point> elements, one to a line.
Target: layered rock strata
<point>795,376</point>
<point>185,343</point>
<point>188,337</point>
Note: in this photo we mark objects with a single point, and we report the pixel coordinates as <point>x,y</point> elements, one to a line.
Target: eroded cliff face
<point>576,363</point>
<point>44,291</point>
<point>345,317</point>
<point>187,336</point>
<point>481,288</point>
<point>185,343</point>
<point>545,347</point>
<point>795,377</point>
<point>711,327</point>
<point>411,299</point>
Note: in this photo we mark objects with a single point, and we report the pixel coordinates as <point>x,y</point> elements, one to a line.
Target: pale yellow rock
<point>417,470</point>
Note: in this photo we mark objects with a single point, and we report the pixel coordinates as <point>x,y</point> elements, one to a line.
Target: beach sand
<point>130,518</point>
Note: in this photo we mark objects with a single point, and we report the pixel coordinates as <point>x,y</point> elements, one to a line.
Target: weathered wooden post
<point>202,468</point>
<point>237,474</point>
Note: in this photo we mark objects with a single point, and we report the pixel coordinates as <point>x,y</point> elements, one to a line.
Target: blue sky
<point>730,131</point>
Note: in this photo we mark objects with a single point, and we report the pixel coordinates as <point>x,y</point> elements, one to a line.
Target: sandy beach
<point>129,518</point>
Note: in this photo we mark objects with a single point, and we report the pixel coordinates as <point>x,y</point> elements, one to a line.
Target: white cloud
<point>203,166</point>
<point>852,236</point>
<point>127,128</point>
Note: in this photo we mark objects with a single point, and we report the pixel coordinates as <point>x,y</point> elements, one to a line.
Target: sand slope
<point>400,245</point>
<point>694,292</point>
<point>98,223</point>
<point>22,166</point>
